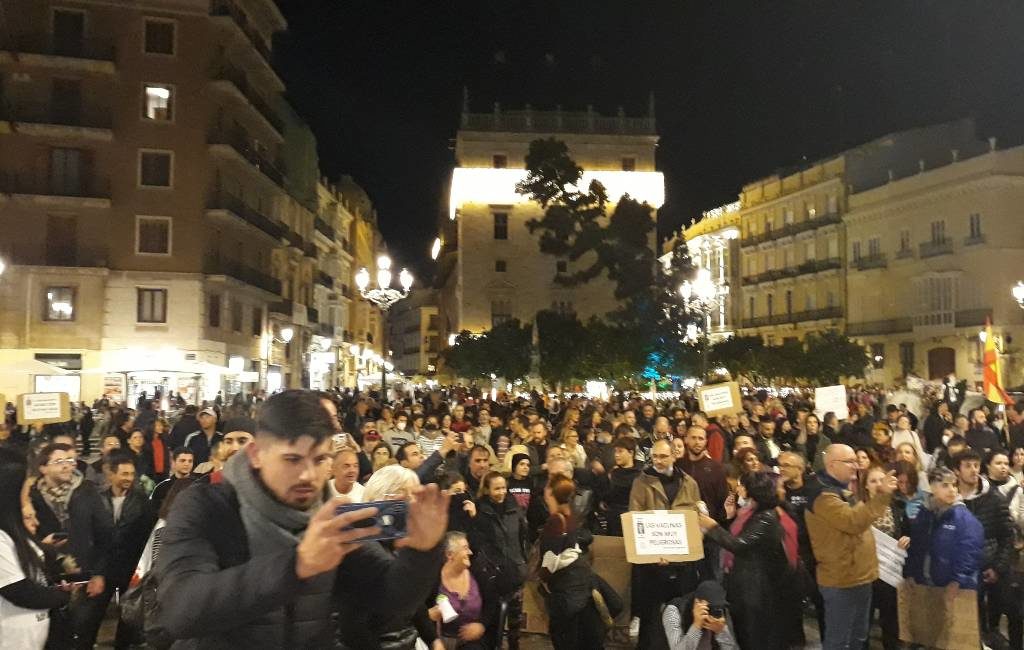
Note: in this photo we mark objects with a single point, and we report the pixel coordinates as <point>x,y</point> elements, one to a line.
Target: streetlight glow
<point>435,250</point>
<point>1017,291</point>
<point>362,279</point>
<point>286,334</point>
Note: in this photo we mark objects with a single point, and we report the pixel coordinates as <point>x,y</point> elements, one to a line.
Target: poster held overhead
<point>47,408</point>
<point>831,398</point>
<point>720,399</point>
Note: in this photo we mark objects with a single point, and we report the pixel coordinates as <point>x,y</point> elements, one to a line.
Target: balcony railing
<point>283,307</point>
<point>78,186</point>
<point>904,253</point>
<point>237,77</point>
<point>792,229</point>
<point>890,326</point>
<point>224,8</point>
<point>312,315</point>
<point>794,317</point>
<point>92,49</point>
<point>876,261</point>
<point>51,113</point>
<point>222,200</point>
<point>241,143</point>
<point>323,227</point>
<point>324,279</point>
<point>974,240</point>
<point>811,266</point>
<point>243,273</point>
<point>557,122</point>
<point>293,238</point>
<point>935,248</point>
<point>972,317</point>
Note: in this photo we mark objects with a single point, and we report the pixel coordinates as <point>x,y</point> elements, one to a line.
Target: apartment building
<point>158,197</point>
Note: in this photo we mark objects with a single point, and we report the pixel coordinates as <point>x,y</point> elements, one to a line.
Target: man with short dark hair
<point>709,473</point>
<point>181,470</point>
<point>989,507</point>
<point>66,503</point>
<point>202,440</point>
<point>478,463</point>
<point>133,518</point>
<point>184,426</point>
<point>259,561</point>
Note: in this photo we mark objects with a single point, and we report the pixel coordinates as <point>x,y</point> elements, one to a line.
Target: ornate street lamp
<point>702,295</point>
<point>383,296</point>
<point>1018,294</point>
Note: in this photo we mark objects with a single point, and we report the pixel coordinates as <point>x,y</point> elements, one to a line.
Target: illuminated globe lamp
<point>702,295</point>
<point>383,296</point>
<point>1018,294</point>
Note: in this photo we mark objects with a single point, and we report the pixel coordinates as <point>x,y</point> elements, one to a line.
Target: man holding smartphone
<point>260,561</point>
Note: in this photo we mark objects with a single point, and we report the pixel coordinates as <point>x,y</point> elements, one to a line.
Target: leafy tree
<point>563,342</point>
<point>575,223</point>
<point>739,354</point>
<point>503,351</point>
<point>831,355</point>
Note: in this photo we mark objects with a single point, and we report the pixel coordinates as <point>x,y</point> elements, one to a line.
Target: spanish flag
<point>992,374</point>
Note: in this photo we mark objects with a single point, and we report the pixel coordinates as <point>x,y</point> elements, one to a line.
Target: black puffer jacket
<point>213,594</point>
<point>989,507</point>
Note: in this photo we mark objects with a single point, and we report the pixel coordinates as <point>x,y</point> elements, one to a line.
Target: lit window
<point>159,36</point>
<point>158,102</point>
<point>155,168</point>
<point>151,305</point>
<point>153,235</point>
<point>60,303</point>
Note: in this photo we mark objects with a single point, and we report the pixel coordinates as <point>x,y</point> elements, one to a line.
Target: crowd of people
<point>218,525</point>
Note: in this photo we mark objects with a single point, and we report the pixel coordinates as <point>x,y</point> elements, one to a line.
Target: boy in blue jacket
<point>946,540</point>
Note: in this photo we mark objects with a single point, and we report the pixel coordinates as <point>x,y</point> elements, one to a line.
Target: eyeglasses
<point>851,461</point>
<point>62,461</point>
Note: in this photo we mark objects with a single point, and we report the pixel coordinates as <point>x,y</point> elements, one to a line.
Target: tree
<point>739,354</point>
<point>503,351</point>
<point>562,342</point>
<point>575,223</point>
<point>831,355</point>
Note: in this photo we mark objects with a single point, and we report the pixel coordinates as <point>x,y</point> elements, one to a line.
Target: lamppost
<point>1017,291</point>
<point>383,296</point>
<point>702,296</point>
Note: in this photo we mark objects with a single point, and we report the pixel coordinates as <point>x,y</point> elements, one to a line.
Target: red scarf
<point>789,535</point>
<point>158,456</point>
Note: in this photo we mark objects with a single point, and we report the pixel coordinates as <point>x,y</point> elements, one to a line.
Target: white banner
<point>831,398</point>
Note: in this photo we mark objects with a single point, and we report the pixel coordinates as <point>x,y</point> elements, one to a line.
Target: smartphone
<point>59,537</point>
<point>75,578</point>
<point>391,518</point>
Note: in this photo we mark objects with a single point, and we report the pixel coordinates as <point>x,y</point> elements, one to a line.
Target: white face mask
<point>401,425</point>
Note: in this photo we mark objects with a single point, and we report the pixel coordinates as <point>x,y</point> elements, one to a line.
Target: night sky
<point>742,88</point>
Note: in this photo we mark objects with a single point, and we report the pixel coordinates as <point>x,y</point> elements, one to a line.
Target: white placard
<point>42,406</point>
<point>70,384</point>
<point>660,534</point>
<point>717,398</point>
<point>890,558</point>
<point>831,398</point>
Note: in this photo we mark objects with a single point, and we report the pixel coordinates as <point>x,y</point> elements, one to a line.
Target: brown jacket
<point>647,493</point>
<point>841,536</point>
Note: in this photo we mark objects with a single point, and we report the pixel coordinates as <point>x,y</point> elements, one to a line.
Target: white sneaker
<point>634,627</point>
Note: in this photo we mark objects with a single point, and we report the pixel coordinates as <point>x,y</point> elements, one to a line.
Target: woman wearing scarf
<point>760,559</point>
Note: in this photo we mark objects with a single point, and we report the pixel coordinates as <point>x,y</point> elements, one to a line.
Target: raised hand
<point>428,519</point>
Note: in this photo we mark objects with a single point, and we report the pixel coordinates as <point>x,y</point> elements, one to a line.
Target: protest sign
<point>890,558</point>
<point>831,398</point>
<point>720,399</point>
<point>654,535</point>
<point>47,408</point>
<point>928,618</point>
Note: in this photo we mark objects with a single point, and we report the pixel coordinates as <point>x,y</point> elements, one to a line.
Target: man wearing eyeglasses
<point>67,504</point>
<point>844,547</point>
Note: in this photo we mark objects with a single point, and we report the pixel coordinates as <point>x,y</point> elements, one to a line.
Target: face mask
<point>401,426</point>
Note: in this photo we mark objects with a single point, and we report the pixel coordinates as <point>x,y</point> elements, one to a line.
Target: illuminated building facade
<point>159,200</point>
<point>490,265</point>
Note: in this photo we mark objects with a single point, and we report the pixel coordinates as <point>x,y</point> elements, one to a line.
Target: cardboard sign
<point>831,398</point>
<point>48,408</point>
<point>720,399</point>
<point>890,558</point>
<point>653,535</point>
<point>927,617</point>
